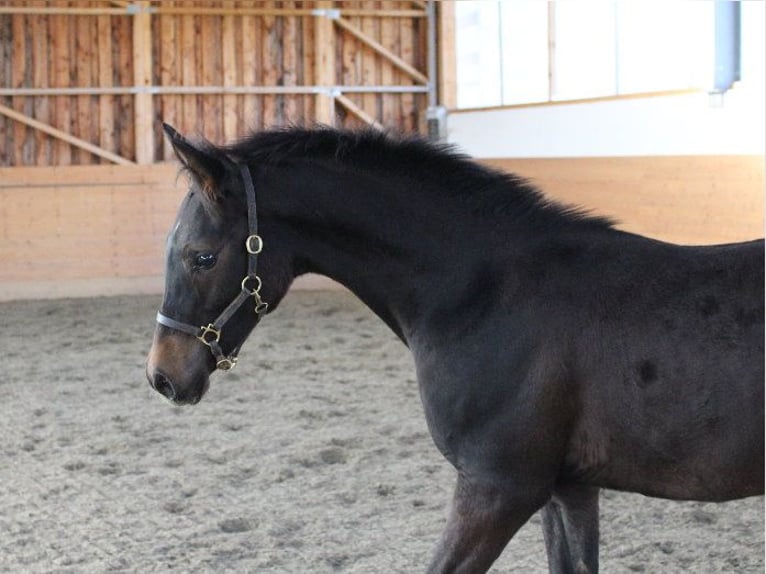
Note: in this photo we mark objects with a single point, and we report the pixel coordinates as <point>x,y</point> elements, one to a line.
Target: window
<point>532,51</point>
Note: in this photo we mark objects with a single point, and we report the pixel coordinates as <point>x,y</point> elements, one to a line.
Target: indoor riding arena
<point>315,453</point>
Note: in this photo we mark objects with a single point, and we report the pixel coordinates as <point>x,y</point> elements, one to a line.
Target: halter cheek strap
<point>210,335</point>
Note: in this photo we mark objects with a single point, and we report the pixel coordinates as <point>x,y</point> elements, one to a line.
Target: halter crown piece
<point>210,335</point>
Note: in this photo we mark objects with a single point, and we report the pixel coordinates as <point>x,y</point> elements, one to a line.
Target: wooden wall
<point>105,73</point>
<point>84,230</point>
<point>96,230</point>
<point>682,199</point>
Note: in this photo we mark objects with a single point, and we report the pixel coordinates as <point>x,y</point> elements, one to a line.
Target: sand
<point>311,456</point>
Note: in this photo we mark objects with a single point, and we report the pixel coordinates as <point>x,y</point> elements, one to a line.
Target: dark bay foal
<point>555,354</point>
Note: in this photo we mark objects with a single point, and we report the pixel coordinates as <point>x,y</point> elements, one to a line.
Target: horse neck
<point>378,236</point>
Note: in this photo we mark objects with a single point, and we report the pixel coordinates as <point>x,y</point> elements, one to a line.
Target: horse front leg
<point>484,517</point>
<point>570,526</point>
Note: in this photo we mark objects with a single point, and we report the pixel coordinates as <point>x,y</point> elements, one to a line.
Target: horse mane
<point>484,189</point>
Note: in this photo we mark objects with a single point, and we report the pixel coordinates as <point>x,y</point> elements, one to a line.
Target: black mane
<point>486,190</point>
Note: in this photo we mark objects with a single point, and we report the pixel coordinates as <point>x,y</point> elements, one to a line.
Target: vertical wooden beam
<point>60,60</point>
<point>290,62</point>
<point>82,116</point>
<point>142,78</point>
<point>41,75</point>
<point>250,72</point>
<point>271,56</point>
<point>230,66</point>
<point>19,80</point>
<point>105,78</point>
<point>324,54</point>
<point>190,112</point>
<point>370,69</point>
<point>445,49</point>
<point>170,74</point>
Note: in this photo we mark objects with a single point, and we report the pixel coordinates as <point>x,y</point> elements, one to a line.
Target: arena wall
<point>100,229</point>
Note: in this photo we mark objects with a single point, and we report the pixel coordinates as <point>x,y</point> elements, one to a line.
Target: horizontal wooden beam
<point>82,176</point>
<point>130,9</point>
<point>208,90</point>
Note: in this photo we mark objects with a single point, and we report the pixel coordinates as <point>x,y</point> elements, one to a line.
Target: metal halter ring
<point>257,289</point>
<point>207,330</point>
<point>258,244</point>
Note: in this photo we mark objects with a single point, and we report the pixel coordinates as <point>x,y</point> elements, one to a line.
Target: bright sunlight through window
<point>531,51</point>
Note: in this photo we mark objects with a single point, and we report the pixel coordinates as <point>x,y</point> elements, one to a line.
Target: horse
<point>555,354</point>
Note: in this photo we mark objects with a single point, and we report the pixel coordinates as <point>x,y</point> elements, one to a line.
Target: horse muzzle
<point>179,375</point>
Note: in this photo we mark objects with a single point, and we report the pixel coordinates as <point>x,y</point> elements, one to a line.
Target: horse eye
<point>205,260</point>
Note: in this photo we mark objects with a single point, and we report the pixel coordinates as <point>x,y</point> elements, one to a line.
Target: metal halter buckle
<point>204,331</point>
<point>254,250</point>
<point>226,363</point>
<point>260,304</point>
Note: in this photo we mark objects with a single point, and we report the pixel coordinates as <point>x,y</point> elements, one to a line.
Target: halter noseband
<point>210,335</point>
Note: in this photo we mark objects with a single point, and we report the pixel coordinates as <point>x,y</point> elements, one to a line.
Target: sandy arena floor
<point>312,456</point>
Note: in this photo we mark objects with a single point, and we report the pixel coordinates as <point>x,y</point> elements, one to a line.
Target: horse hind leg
<point>570,526</point>
<point>483,519</point>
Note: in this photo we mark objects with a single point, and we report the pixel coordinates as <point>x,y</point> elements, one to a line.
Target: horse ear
<point>205,167</point>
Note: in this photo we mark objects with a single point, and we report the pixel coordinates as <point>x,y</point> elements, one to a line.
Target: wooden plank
<point>309,69</point>
<point>169,73</point>
<point>447,61</point>
<point>686,199</point>
<point>251,109</point>
<point>142,77</point>
<point>105,78</point>
<point>190,47</point>
<point>230,64</point>
<point>122,54</point>
<point>371,27</point>
<point>324,67</point>
<point>47,222</point>
<point>19,79</point>
<point>389,76</point>
<point>409,114</point>
<point>83,56</point>
<point>210,42</point>
<point>80,177</point>
<point>350,64</point>
<point>59,34</point>
<point>40,75</point>
<point>290,65</point>
<point>5,75</point>
<point>270,58</point>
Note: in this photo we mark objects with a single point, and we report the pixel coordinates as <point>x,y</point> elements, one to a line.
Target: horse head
<point>214,295</point>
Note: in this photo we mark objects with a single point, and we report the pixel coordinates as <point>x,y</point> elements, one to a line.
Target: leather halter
<point>210,335</point>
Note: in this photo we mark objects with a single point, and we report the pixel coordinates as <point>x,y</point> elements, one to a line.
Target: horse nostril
<point>163,386</point>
